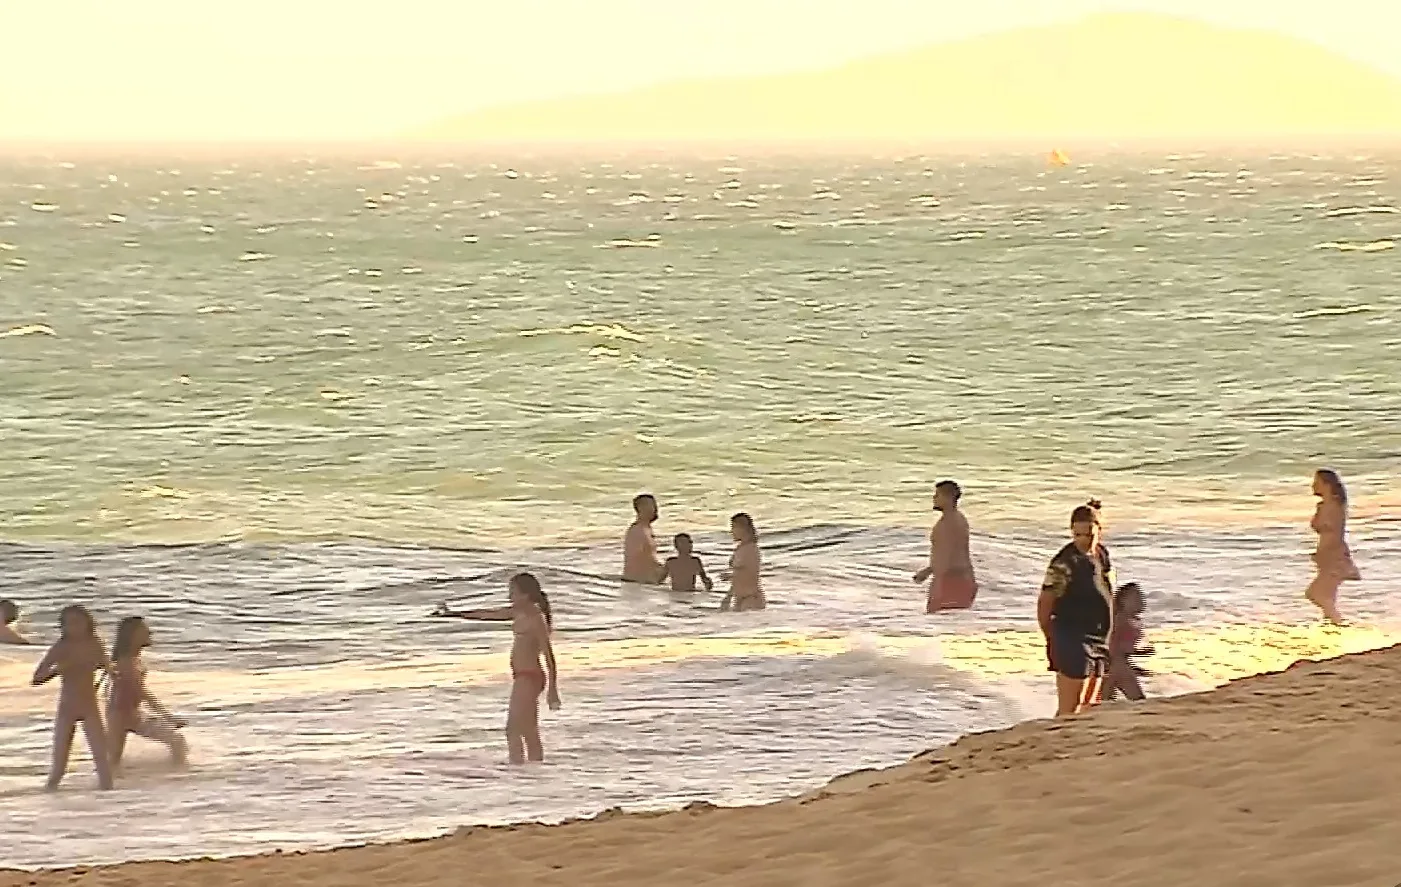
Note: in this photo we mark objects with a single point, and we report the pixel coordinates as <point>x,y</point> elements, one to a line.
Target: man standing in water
<point>640,563</point>
<point>952,585</point>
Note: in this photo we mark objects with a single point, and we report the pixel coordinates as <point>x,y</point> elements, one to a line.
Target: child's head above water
<point>1130,600</point>
<point>683,544</point>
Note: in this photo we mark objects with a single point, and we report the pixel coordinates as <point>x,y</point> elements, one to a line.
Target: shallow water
<point>224,381</point>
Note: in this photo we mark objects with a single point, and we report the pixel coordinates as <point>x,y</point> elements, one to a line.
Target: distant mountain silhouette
<point>1115,76</point>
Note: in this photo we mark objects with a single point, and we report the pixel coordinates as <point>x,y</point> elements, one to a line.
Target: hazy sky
<point>329,69</point>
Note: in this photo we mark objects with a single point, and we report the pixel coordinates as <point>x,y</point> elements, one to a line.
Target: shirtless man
<point>640,563</point>
<point>952,585</point>
<point>9,615</point>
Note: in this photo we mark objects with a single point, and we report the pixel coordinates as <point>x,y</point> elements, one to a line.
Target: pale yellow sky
<point>176,70</point>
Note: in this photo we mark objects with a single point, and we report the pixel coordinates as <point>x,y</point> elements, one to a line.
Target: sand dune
<point>1290,778</point>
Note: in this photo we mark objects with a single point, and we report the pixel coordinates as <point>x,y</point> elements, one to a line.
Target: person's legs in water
<point>1323,593</point>
<point>116,743</point>
<point>96,735</point>
<point>523,718</point>
<point>157,730</point>
<point>65,725</point>
<point>534,749</point>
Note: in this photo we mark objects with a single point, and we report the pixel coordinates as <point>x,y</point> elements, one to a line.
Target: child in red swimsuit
<point>1125,643</point>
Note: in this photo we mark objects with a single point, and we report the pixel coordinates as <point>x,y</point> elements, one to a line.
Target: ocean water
<point>282,407</point>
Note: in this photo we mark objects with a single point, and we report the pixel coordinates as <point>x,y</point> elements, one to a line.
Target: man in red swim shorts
<point>952,584</point>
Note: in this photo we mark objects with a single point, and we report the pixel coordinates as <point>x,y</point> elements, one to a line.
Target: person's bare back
<point>640,562</point>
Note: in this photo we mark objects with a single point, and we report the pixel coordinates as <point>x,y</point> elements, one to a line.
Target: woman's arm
<point>483,614</point>
<point>131,672</point>
<point>551,668</point>
<point>1054,584</point>
<point>47,668</point>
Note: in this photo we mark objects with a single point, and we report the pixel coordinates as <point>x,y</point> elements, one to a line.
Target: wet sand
<point>1288,778</point>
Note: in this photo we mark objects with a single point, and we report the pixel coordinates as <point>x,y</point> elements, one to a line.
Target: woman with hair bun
<point>1076,612</point>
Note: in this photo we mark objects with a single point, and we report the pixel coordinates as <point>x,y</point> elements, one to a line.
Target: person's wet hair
<point>746,526</point>
<point>952,488</point>
<point>1087,513</point>
<point>89,629</point>
<point>1334,483</point>
<point>527,584</point>
<point>642,499</point>
<point>9,612</point>
<point>125,643</point>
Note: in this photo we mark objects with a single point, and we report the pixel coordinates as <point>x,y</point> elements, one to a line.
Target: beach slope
<point>1289,778</point>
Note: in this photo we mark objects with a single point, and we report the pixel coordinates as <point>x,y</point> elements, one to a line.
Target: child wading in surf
<point>685,568</point>
<point>1126,643</point>
<point>76,660</point>
<point>129,694</point>
<point>531,622</point>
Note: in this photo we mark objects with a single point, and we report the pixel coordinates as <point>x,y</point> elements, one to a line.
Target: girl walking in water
<point>1332,557</point>
<point>129,694</point>
<point>75,660</point>
<point>531,622</point>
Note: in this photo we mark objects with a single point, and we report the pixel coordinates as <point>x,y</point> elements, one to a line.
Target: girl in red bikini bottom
<point>531,622</point>
<point>1126,644</point>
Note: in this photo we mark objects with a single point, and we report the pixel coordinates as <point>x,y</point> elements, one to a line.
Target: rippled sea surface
<point>283,406</point>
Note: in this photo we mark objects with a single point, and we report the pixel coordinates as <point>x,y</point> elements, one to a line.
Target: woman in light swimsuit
<point>746,591</point>
<point>129,694</point>
<point>76,660</point>
<point>1332,557</point>
<point>531,621</point>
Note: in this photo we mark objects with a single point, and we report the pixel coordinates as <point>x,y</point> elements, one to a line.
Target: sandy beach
<point>1286,778</point>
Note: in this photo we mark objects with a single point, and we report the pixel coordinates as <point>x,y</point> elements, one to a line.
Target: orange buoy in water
<point>1058,158</point>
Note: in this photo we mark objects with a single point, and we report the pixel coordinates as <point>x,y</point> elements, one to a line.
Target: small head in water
<point>1084,526</point>
<point>742,528</point>
<point>1327,485</point>
<point>645,504</point>
<point>946,495</point>
<point>9,613</point>
<point>133,636</point>
<point>1130,600</point>
<point>525,589</point>
<point>683,544</point>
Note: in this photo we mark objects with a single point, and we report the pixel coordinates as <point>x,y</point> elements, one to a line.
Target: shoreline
<point>1243,784</point>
